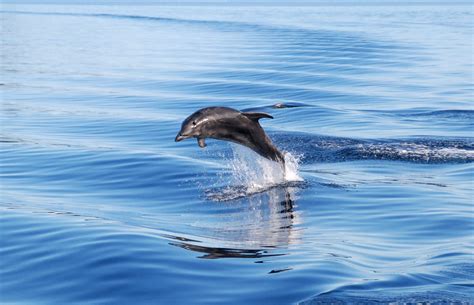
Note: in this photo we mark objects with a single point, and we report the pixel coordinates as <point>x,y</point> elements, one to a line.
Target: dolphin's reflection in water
<point>256,226</point>
<point>213,253</point>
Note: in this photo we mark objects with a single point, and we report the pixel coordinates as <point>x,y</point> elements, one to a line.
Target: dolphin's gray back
<point>246,130</point>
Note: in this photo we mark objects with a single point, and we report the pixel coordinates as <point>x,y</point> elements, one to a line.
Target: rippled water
<point>100,206</point>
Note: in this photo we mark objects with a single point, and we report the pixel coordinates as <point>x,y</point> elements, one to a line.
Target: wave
<point>430,297</point>
<point>103,15</point>
<point>315,148</point>
<point>279,105</point>
<point>447,114</point>
<point>219,23</point>
<point>410,288</point>
<point>304,42</point>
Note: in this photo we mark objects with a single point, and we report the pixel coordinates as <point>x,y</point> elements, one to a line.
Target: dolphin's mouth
<point>181,137</point>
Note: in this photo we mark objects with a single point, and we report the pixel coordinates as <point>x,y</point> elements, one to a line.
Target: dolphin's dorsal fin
<point>255,116</point>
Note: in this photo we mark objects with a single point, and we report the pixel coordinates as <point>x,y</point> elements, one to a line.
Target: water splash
<point>256,173</point>
<point>251,174</point>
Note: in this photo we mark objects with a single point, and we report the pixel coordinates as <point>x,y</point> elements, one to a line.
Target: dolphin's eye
<point>194,123</point>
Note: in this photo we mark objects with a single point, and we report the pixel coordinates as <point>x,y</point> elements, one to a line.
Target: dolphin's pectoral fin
<point>201,142</point>
<point>255,116</point>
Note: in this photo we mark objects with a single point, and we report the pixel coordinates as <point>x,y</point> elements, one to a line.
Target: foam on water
<point>316,148</point>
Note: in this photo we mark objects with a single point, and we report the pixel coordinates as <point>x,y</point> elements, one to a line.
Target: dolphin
<point>229,124</point>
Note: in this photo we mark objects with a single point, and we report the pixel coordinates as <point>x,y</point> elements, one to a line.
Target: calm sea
<point>99,205</point>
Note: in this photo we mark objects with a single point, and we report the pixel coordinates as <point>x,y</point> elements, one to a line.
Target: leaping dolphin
<point>229,124</point>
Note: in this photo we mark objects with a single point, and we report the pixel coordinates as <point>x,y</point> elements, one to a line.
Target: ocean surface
<point>373,105</point>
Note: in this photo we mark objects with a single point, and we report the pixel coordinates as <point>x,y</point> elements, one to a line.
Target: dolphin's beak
<point>179,137</point>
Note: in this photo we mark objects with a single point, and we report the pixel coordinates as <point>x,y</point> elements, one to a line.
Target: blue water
<point>99,205</point>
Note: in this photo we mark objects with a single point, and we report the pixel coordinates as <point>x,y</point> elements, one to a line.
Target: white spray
<point>256,173</point>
